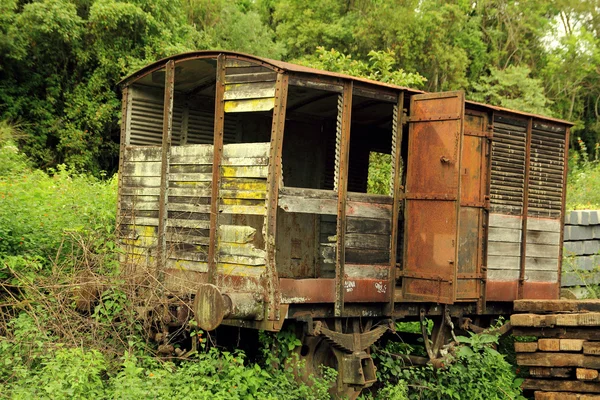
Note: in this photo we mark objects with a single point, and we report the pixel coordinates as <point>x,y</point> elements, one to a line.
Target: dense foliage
<point>60,62</point>
<point>62,59</point>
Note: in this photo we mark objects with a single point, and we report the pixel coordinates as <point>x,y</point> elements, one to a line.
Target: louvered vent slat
<point>147,122</point>
<point>546,175</point>
<point>508,165</point>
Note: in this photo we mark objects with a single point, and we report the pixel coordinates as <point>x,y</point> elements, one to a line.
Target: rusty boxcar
<point>243,192</point>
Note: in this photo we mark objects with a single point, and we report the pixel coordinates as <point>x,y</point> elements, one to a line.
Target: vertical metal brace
<point>273,181</point>
<point>525,210</point>
<point>395,188</point>
<point>562,211</point>
<point>124,127</point>
<point>486,168</point>
<point>342,190</point>
<point>216,168</point>
<point>167,134</point>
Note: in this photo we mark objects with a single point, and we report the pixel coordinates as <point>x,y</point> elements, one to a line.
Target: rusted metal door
<point>432,197</point>
<point>474,198</point>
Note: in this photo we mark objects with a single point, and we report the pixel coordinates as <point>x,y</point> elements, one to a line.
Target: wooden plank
<point>185,238</point>
<point>236,234</point>
<point>504,249</point>
<point>561,385</point>
<point>504,262</point>
<point>591,348</point>
<point>252,105</point>
<point>151,168</point>
<point>504,235</point>
<point>241,249</point>
<point>190,177</point>
<point>367,241</point>
<point>243,194</point>
<point>556,305</point>
<point>586,374</point>
<point>187,265</point>
<point>244,183</point>
<point>558,360</point>
<point>579,319</point>
<point>543,224</point>
<point>141,181</point>
<point>251,77</point>
<point>526,347</point>
<point>549,344</point>
<point>312,205</point>
<point>130,205</point>
<point>571,344</point>
<point>541,276</point>
<point>539,237</point>
<point>368,225</point>
<point>504,221</point>
<point>142,154</point>
<point>542,251</point>
<point>559,332</point>
<point>241,260</point>
<point>256,171</point>
<point>541,264</point>
<point>503,275</point>
<point>242,209</point>
<point>183,192</point>
<point>368,271</point>
<point>246,150</point>
<point>532,320</point>
<point>188,223</point>
<point>247,91</point>
<point>368,210</point>
<point>296,204</point>
<point>367,256</point>
<point>546,372</point>
<point>564,396</point>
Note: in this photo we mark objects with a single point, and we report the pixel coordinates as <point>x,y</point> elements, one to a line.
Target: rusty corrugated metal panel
<point>474,195</point>
<point>432,197</point>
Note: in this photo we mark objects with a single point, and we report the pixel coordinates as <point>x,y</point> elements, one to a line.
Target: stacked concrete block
<point>581,264</point>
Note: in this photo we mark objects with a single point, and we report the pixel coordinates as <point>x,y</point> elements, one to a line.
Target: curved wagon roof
<point>282,66</point>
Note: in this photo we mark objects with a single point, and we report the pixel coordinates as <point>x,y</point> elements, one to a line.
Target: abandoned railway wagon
<point>243,194</point>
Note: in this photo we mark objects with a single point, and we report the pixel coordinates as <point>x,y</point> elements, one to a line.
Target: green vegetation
<point>62,59</point>
<point>584,178</point>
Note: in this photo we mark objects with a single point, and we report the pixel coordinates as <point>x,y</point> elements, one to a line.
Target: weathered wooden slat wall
<point>249,87</point>
<point>504,247</point>
<point>242,192</point>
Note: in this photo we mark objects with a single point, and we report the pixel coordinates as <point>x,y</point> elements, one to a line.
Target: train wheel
<point>316,352</point>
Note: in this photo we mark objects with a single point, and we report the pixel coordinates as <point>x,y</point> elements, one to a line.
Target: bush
<point>474,368</point>
<point>43,215</point>
<point>583,180</point>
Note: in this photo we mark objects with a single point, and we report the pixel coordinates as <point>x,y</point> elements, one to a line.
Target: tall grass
<point>583,179</point>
